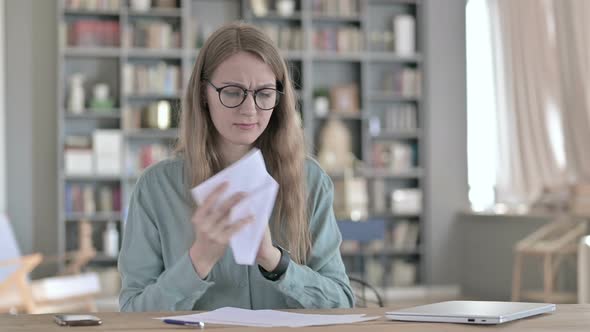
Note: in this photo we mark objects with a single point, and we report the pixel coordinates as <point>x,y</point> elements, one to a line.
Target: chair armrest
<point>27,263</point>
<point>54,259</point>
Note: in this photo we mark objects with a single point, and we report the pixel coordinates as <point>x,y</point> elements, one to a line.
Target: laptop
<point>471,312</point>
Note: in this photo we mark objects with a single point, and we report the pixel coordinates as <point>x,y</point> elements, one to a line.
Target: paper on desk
<point>269,318</point>
<point>248,175</point>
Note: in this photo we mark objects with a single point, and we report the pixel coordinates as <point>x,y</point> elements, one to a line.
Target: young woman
<point>175,254</point>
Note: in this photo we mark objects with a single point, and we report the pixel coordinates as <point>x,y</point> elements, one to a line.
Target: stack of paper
<point>268,318</point>
<point>247,175</point>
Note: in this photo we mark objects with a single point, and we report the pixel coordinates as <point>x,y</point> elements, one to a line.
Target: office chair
<point>365,295</point>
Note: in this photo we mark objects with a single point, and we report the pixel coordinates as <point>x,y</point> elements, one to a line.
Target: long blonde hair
<point>282,143</point>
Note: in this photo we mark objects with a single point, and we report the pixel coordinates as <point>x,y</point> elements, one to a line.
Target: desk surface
<point>568,317</point>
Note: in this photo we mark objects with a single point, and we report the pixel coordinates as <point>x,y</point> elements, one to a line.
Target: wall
<point>2,114</point>
<point>446,140</point>
<point>487,258</point>
<point>31,118</point>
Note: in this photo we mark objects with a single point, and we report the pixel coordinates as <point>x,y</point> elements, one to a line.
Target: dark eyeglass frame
<point>278,90</point>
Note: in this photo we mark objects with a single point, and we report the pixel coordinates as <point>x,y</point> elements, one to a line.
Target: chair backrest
<point>8,247</point>
<point>365,295</point>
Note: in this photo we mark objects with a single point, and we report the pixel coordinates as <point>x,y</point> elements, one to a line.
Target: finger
<point>212,198</point>
<point>225,208</point>
<point>216,229</point>
<point>234,228</point>
<point>200,215</point>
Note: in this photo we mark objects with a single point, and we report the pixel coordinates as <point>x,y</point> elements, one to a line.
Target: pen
<point>184,323</point>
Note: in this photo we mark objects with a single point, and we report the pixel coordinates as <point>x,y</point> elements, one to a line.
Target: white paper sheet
<point>268,318</point>
<point>248,175</point>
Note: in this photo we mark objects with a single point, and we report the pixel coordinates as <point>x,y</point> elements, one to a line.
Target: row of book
<point>381,41</point>
<point>399,117</point>
<point>343,39</point>
<point>403,201</point>
<point>153,34</point>
<point>92,33</point>
<point>90,199</point>
<point>336,7</point>
<point>398,156</point>
<point>145,155</point>
<point>161,78</point>
<point>92,4</point>
<point>406,82</point>
<point>286,38</point>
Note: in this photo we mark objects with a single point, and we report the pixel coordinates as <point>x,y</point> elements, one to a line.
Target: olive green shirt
<point>158,275</point>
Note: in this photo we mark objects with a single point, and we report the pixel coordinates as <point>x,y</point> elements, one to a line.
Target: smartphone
<point>77,320</point>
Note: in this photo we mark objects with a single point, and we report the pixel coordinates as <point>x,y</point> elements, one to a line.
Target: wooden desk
<point>568,317</point>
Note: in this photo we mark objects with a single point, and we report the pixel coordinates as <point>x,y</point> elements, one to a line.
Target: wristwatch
<point>281,268</point>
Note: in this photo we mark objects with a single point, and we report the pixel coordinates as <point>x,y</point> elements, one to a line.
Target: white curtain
<point>572,22</point>
<point>541,66</point>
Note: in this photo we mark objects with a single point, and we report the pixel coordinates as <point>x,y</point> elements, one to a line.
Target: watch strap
<point>280,269</point>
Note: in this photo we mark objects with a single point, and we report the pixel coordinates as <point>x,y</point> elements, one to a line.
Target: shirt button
<point>243,284</point>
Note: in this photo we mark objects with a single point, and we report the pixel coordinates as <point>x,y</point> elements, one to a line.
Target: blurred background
<point>454,131</point>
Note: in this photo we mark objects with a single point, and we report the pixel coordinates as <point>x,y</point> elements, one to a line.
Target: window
<point>482,142</point>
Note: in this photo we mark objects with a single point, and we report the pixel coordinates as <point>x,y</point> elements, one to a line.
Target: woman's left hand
<point>268,255</point>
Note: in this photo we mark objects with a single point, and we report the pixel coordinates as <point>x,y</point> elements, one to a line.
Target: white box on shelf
<point>401,157</point>
<point>107,145</point>
<point>406,201</point>
<point>78,162</point>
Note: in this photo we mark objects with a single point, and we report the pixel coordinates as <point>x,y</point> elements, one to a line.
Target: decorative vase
<point>259,7</point>
<point>286,8</point>
<point>76,100</point>
<point>141,5</point>
<point>321,105</point>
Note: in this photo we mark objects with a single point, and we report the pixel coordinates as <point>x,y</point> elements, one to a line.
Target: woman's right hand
<point>213,229</point>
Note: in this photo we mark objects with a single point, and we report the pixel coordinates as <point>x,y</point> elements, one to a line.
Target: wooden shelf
<point>90,114</point>
<point>343,116</point>
<point>376,173</point>
<point>337,56</point>
<point>154,53</point>
<point>84,12</point>
<point>92,178</point>
<point>401,134</point>
<point>95,217</point>
<point>151,96</point>
<point>392,97</point>
<point>275,16</point>
<point>393,216</point>
<point>293,55</point>
<point>322,18</point>
<point>385,174</point>
<point>392,57</point>
<point>103,259</point>
<point>317,69</point>
<point>151,133</point>
<point>156,13</point>
<point>389,253</point>
<point>92,52</point>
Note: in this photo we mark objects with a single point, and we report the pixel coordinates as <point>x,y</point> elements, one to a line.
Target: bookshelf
<point>110,42</point>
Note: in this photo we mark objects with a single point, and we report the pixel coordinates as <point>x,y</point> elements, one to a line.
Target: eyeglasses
<point>232,96</point>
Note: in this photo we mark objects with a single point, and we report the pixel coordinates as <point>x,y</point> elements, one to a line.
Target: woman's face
<point>244,124</point>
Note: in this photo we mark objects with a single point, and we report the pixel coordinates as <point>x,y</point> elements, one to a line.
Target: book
<point>406,201</point>
<point>344,98</point>
<point>107,146</point>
